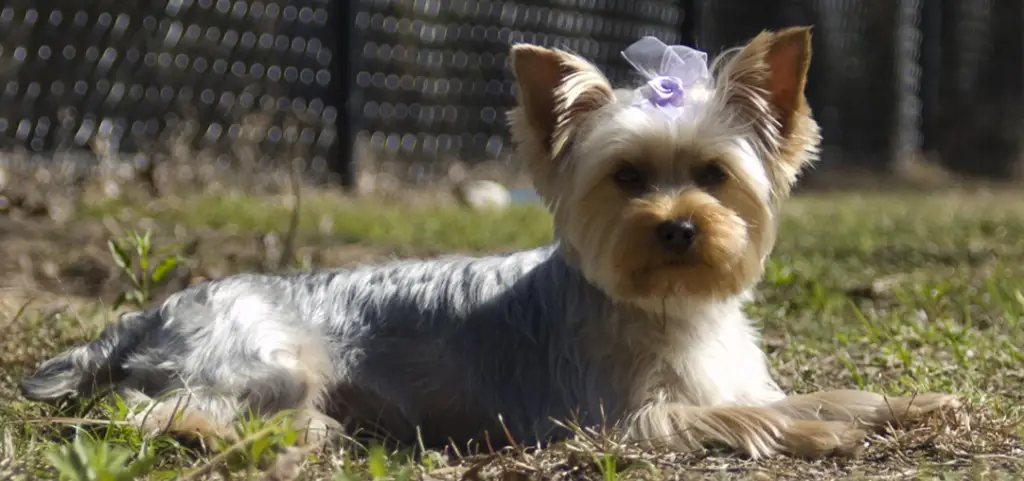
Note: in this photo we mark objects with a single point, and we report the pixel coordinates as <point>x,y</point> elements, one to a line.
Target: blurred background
<point>378,94</point>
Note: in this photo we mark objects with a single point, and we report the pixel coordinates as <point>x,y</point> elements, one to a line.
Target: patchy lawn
<point>895,293</point>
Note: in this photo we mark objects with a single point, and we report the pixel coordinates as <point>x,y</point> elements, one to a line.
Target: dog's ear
<point>765,82</point>
<point>557,90</point>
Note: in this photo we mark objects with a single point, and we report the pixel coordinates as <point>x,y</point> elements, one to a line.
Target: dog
<point>664,201</point>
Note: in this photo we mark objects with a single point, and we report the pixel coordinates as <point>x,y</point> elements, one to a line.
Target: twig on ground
<point>288,249</point>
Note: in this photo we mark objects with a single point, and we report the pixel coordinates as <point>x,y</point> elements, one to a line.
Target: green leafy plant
<point>379,467</point>
<point>86,459</point>
<point>263,440</point>
<point>607,466</point>
<point>144,266</point>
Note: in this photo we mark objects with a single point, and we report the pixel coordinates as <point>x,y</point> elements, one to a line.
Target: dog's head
<point>671,189</point>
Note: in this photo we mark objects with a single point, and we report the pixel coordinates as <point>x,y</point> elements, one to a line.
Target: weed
<point>143,265</point>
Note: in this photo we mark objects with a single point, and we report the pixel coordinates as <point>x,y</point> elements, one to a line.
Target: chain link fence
<point>234,80</point>
<point>434,79</point>
<point>417,82</point>
<point>899,80</point>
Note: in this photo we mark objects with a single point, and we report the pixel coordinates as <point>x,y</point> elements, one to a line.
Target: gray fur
<point>446,345</point>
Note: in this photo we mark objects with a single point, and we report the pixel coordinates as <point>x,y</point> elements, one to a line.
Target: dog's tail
<point>88,368</point>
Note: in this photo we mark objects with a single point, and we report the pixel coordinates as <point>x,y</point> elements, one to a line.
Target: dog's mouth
<point>714,265</point>
<point>691,258</point>
<point>689,273</point>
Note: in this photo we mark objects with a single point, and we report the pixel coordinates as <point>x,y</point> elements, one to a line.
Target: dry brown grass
<point>896,293</point>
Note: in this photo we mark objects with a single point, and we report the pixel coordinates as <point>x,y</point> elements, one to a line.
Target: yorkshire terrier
<point>665,200</point>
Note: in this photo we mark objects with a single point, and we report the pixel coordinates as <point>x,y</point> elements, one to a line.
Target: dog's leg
<point>207,416</point>
<point>290,379</point>
<point>183,412</point>
<point>297,381</point>
<point>759,432</point>
<point>875,410</point>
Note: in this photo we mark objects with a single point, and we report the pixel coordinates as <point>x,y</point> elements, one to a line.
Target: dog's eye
<point>710,175</point>
<point>630,179</point>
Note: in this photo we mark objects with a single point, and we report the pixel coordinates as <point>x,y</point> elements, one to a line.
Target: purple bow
<point>677,77</point>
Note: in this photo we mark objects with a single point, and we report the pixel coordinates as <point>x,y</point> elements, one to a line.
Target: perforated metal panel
<point>853,87</point>
<point>131,70</point>
<point>891,78</point>
<point>435,75</point>
<point>976,103</point>
<point>424,80</point>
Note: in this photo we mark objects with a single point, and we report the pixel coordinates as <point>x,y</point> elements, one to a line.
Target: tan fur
<point>310,364</point>
<point>180,419</point>
<point>866,408</point>
<point>680,346</point>
<point>760,432</point>
<point>556,89</point>
<point>719,267</point>
<point>764,82</point>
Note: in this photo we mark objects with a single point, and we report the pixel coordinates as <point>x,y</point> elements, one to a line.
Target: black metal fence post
<point>343,92</point>
<point>690,26</point>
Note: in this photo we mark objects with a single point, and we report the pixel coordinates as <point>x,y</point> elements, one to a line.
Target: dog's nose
<point>676,235</point>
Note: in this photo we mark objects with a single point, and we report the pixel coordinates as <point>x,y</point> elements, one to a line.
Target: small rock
<point>877,289</point>
<point>483,194</point>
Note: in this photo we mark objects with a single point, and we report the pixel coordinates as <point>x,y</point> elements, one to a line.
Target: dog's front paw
<point>906,409</point>
<point>818,439</point>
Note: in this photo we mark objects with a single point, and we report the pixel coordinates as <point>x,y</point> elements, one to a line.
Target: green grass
<point>892,293</point>
<point>431,226</point>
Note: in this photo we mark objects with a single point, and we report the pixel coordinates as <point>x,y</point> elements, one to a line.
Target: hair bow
<point>677,77</point>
